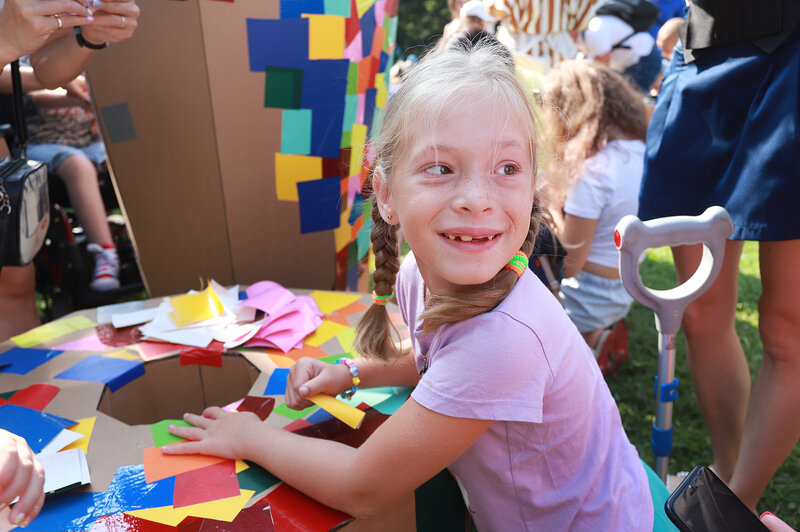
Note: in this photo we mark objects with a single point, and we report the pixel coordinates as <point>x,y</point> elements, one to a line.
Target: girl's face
<point>463,193</point>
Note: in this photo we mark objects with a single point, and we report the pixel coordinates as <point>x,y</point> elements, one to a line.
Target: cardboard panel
<point>264,233</point>
<point>167,172</point>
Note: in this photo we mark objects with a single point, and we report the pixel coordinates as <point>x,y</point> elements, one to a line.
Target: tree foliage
<point>420,24</point>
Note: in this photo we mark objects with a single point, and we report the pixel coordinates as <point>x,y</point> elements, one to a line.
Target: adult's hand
<point>26,25</point>
<point>114,21</point>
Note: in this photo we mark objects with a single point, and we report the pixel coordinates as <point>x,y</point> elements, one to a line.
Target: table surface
<point>114,444</point>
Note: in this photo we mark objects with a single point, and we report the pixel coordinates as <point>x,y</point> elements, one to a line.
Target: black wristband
<point>84,43</point>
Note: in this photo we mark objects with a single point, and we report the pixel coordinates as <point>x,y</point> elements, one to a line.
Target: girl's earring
<point>388,217</point>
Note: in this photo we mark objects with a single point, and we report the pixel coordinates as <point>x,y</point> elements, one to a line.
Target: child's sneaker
<point>106,268</point>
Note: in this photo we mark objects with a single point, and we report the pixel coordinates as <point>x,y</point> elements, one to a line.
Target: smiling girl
<point>507,394</point>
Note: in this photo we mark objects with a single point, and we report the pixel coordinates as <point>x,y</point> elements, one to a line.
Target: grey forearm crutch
<point>633,238</point>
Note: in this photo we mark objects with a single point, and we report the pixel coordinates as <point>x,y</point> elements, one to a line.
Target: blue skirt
<point>726,131</point>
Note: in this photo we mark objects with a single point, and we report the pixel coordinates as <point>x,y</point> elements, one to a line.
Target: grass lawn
<point>632,384</point>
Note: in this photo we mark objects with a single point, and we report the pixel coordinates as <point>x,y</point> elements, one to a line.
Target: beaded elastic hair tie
<point>518,263</point>
<point>381,300</point>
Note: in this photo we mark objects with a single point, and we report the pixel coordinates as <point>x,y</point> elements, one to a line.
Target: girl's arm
<point>29,80</point>
<point>409,448</point>
<point>575,234</point>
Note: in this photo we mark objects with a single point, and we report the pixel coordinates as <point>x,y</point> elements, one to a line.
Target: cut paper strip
<point>277,382</point>
<point>37,428</point>
<point>296,131</point>
<point>160,431</point>
<point>325,332</point>
<point>20,360</point>
<point>359,139</point>
<point>325,36</point>
<point>221,510</point>
<point>36,396</point>
<point>293,169</point>
<point>217,481</point>
<point>136,317</point>
<point>292,510</point>
<point>64,438</point>
<point>312,351</point>
<point>346,413</point>
<point>85,427</point>
<point>64,470</point>
<point>158,465</point>
<point>337,7</point>
<point>115,372</point>
<point>282,361</point>
<point>192,308</point>
<point>88,343</point>
<point>52,330</point>
<point>260,406</point>
<point>105,312</point>
<point>329,302</point>
<point>285,411</point>
<point>209,356</point>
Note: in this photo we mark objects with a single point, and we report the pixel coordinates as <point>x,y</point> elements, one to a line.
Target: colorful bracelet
<point>381,300</point>
<point>518,263</point>
<point>348,394</point>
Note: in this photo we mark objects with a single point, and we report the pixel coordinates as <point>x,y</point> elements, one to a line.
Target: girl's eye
<point>509,169</point>
<point>438,169</point>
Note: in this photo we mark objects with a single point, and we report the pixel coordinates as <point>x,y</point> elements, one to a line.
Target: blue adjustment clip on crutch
<point>633,238</point>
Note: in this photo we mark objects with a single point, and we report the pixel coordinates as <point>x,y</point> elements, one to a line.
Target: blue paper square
<point>368,31</point>
<point>36,427</point>
<point>21,360</point>
<point>277,382</point>
<point>369,108</point>
<point>67,511</point>
<point>115,372</point>
<point>319,204</point>
<point>319,416</point>
<point>296,8</point>
<point>130,491</point>
<point>324,88</point>
<point>281,43</point>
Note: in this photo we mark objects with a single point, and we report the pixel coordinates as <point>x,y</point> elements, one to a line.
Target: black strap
<point>19,110</point>
<point>624,46</point>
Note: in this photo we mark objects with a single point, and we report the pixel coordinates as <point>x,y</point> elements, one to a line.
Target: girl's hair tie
<point>381,300</point>
<point>518,263</point>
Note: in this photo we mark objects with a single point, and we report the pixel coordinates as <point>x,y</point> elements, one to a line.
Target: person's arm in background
<point>62,59</point>
<point>26,25</point>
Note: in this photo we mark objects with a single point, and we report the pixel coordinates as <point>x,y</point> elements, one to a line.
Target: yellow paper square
<point>292,169</point>
<point>349,415</point>
<point>325,332</point>
<point>358,137</point>
<point>221,510</point>
<point>347,338</point>
<point>330,302</point>
<point>85,427</point>
<point>341,234</point>
<point>383,92</point>
<point>191,308</point>
<point>362,6</point>
<point>325,36</point>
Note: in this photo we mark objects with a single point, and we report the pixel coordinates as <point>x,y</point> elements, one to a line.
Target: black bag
<point>638,14</point>
<point>24,196</point>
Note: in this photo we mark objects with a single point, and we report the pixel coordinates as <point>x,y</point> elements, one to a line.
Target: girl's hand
<point>26,25</point>
<point>309,376</point>
<point>216,433</point>
<point>78,89</point>
<point>21,475</point>
<point>114,21</point>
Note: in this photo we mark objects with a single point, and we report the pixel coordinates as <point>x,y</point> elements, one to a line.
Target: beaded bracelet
<point>348,394</point>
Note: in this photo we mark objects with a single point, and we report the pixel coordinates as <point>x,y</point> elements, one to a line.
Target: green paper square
<point>160,431</point>
<point>337,7</point>
<point>284,87</point>
<point>347,141</point>
<point>285,411</point>
<point>296,131</point>
<point>387,23</point>
<point>333,358</point>
<point>392,33</point>
<point>256,478</point>
<point>377,123</point>
<point>352,79</point>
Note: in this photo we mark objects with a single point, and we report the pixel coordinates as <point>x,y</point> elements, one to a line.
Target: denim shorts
<point>594,302</point>
<point>55,154</point>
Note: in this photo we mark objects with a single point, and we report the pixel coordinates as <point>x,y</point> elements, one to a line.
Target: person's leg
<point>80,177</point>
<point>719,371</point>
<point>17,301</point>
<point>772,426</point>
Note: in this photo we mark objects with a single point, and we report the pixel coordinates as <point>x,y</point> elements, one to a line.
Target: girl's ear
<point>383,196</point>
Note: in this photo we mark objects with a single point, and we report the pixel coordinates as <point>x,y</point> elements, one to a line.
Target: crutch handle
<point>634,237</point>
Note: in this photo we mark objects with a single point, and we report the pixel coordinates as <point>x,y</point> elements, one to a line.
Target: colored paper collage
<point>326,65</point>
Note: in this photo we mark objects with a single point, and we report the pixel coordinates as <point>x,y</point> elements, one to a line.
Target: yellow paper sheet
<point>358,137</point>
<point>362,6</point>
<point>124,354</point>
<point>347,338</point>
<point>191,308</point>
<point>383,92</point>
<point>330,302</point>
<point>325,332</point>
<point>221,510</point>
<point>342,234</point>
<point>85,427</point>
<point>325,36</point>
<point>292,169</point>
<point>51,331</point>
<point>349,415</point>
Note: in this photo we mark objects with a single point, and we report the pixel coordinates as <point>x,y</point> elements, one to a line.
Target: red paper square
<point>209,483</point>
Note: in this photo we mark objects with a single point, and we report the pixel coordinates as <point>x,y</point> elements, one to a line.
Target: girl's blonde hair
<point>456,76</point>
<point>586,105</point>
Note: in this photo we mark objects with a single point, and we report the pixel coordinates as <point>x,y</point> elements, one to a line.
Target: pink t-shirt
<point>557,457</point>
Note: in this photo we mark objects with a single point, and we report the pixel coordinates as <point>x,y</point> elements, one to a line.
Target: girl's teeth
<point>466,238</point>
<point>490,237</point>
